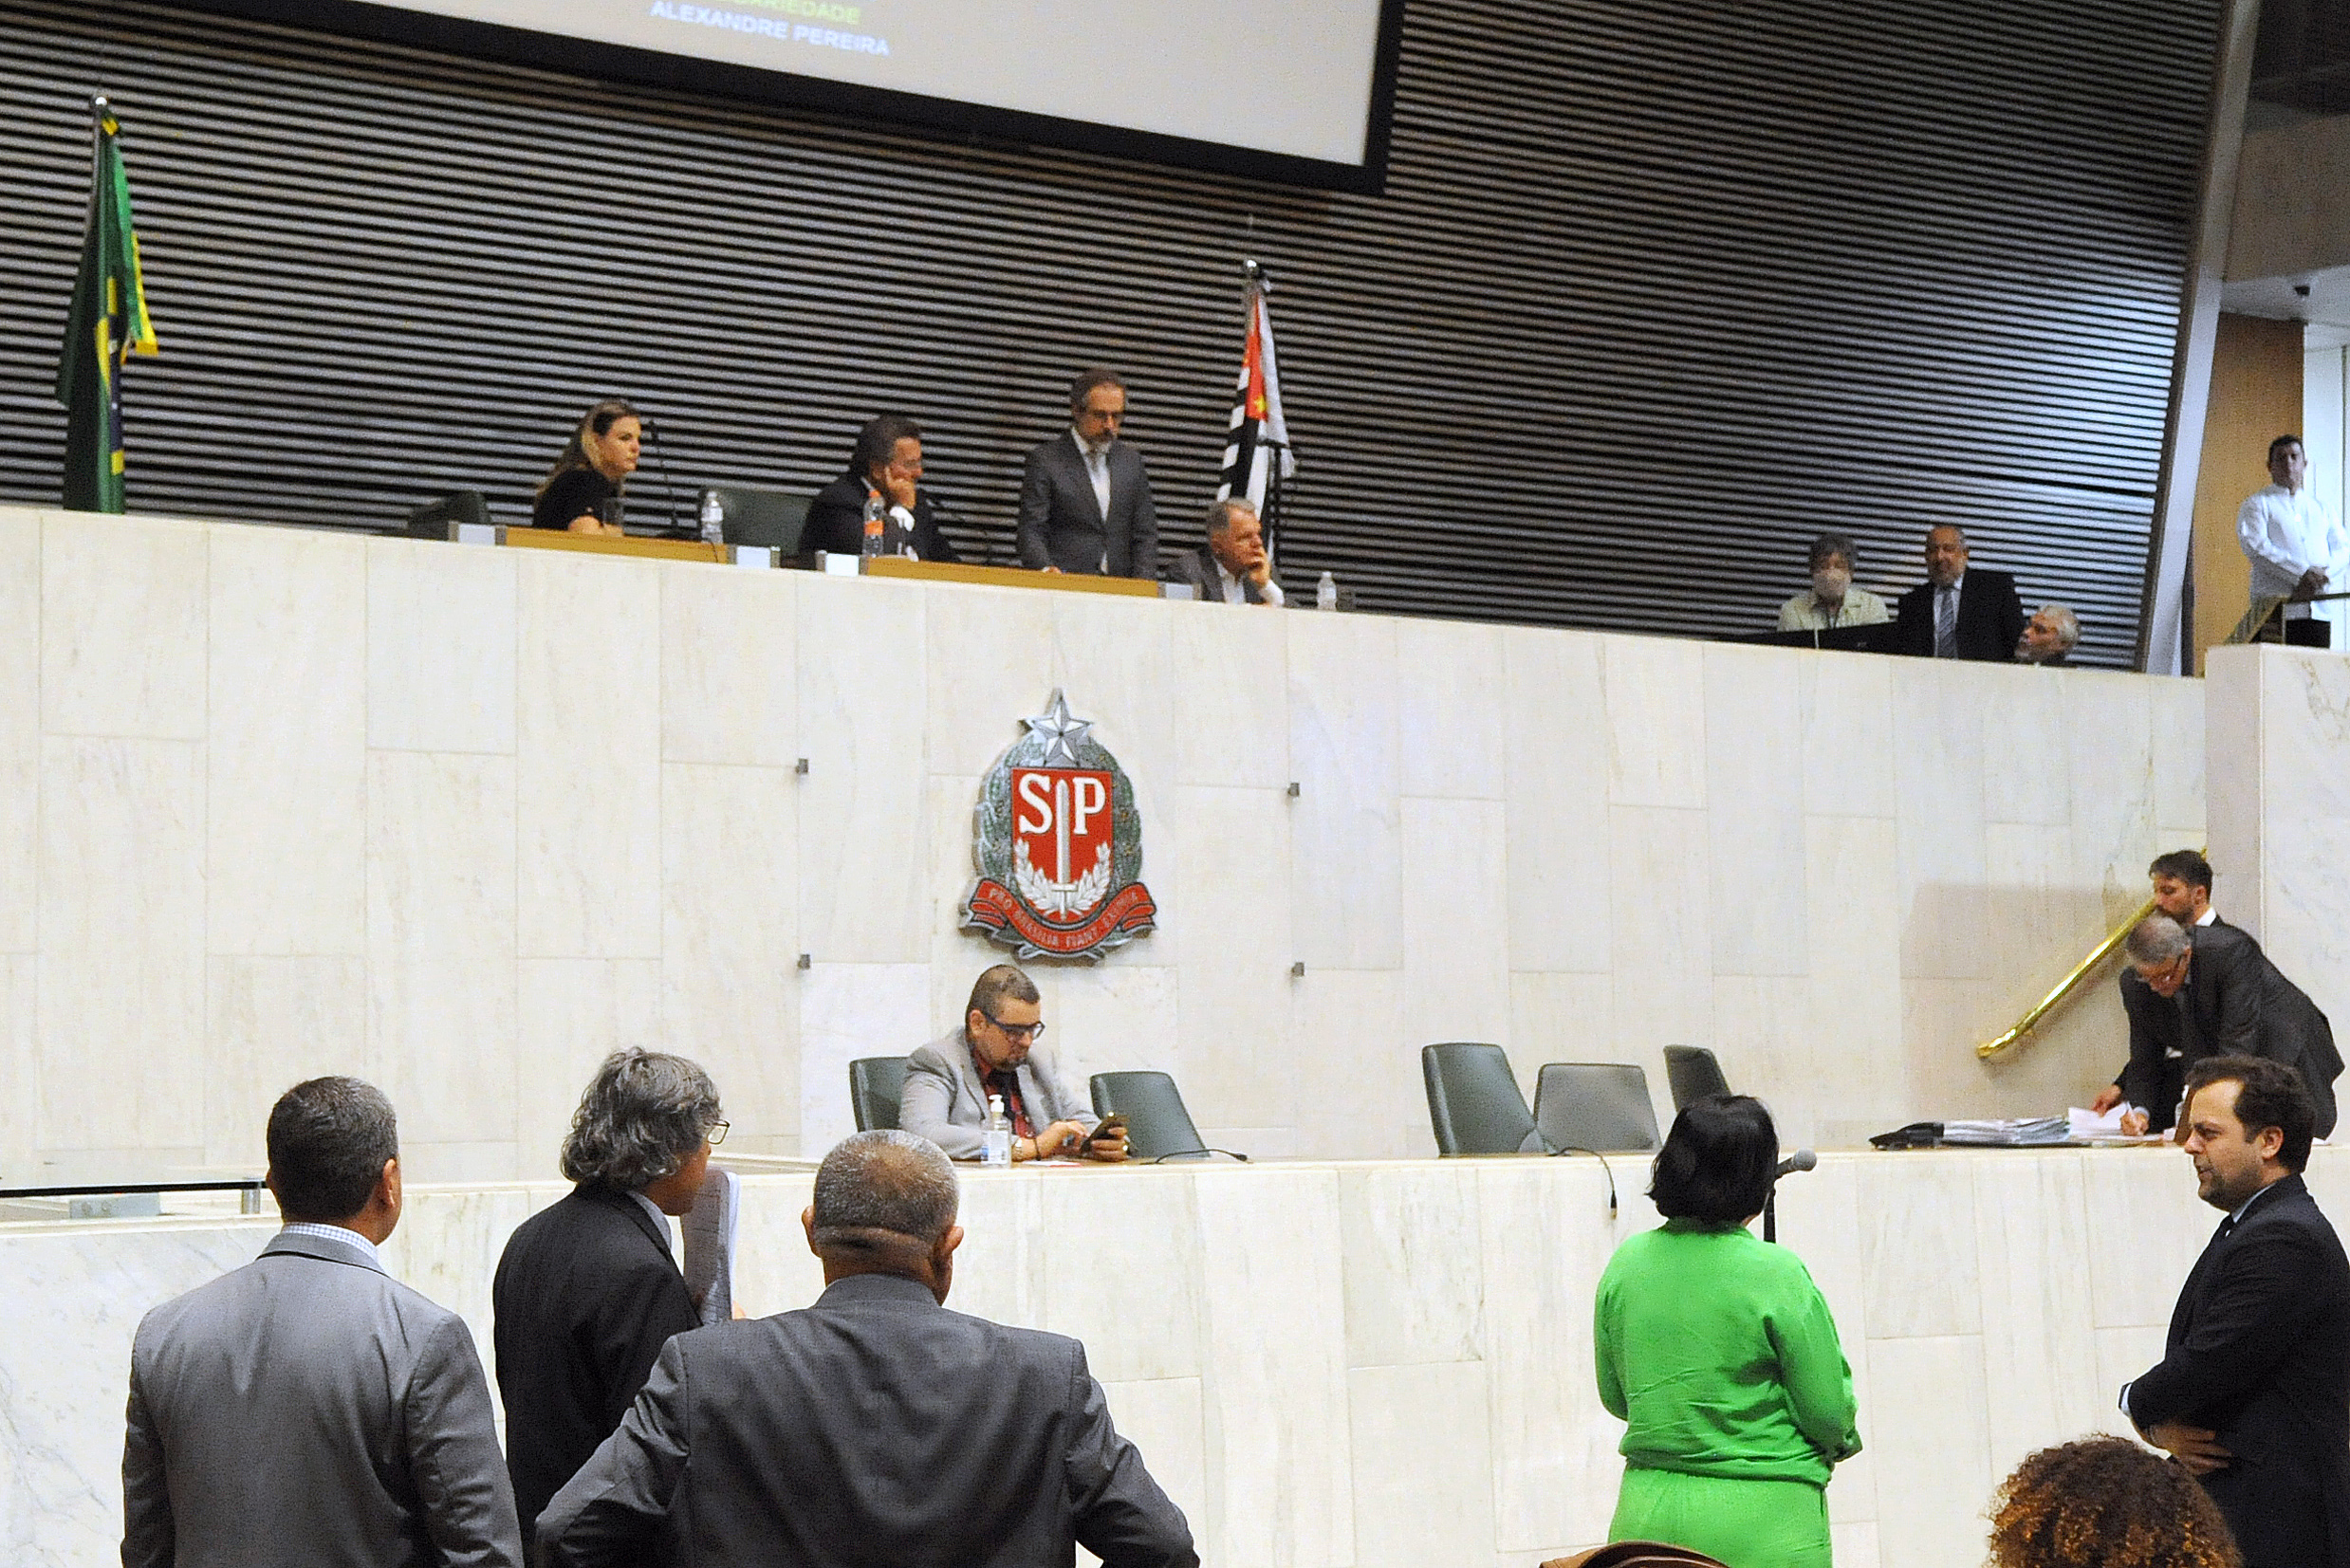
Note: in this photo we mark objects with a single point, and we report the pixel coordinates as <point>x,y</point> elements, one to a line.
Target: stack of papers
<point>2011,1131</point>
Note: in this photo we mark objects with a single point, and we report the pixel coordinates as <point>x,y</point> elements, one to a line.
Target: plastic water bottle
<point>1327,593</point>
<point>874,522</point>
<point>713,519</point>
<point>996,1149</point>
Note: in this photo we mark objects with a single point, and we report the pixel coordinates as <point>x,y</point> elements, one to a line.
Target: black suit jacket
<point>1061,521</point>
<point>586,1296</point>
<point>836,521</point>
<point>1991,618</point>
<point>2259,1353</point>
<point>2235,1003</point>
<point>873,1428</point>
<point>2152,1079</point>
<point>1198,568</point>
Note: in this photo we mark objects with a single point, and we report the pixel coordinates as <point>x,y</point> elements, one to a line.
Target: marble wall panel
<point>122,970</point>
<point>1122,1016</point>
<point>863,698</point>
<point>123,628</point>
<point>20,1067</point>
<point>441,944</point>
<point>272,1023</point>
<point>991,665</point>
<point>729,669</point>
<point>19,730</point>
<point>587,766</point>
<point>2109,747</point>
<point>1454,702</point>
<point>1281,1489</point>
<point>285,858</point>
<point>1918,1240</point>
<point>846,1011</point>
<point>730,940</point>
<point>1231,717</point>
<point>1663,947</point>
<point>569,1014</point>
<point>1115,659</point>
<point>1854,1546</point>
<point>2235,772</point>
<point>1561,1017</point>
<point>1938,726</point>
<point>1754,781</point>
<point>2307,936</point>
<point>440,647</point>
<point>2039,1339</point>
<point>1767,1034</point>
<point>774,1271</point>
<point>1555,759</point>
<point>1345,834</point>
<point>1420,1432</point>
<point>1000,1270</point>
<point>447,1245</point>
<point>1853,895</point>
<point>1232,851</point>
<point>1847,735</point>
<point>1370,1105</point>
<point>1167,1422</point>
<point>2176,711</point>
<point>1140,1312</point>
<point>1655,722</point>
<point>1939,1468</point>
<point>2026,775</point>
<point>2148,1196</point>
<point>1411,1298</point>
<point>1455,932</point>
<point>2124,1355</point>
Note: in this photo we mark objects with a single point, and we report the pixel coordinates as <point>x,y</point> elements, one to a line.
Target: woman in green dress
<point>1717,1351</point>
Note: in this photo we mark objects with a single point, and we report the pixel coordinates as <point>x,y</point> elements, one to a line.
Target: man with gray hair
<point>873,1427</point>
<point>309,1410</point>
<point>2049,638</point>
<point>587,1291</point>
<point>2225,999</point>
<point>1232,567</point>
<point>994,1055</point>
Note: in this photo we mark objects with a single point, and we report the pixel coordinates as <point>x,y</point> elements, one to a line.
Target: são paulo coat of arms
<point>1059,846</point>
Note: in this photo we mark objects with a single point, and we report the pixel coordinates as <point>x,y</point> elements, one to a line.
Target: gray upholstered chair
<point>771,518</point>
<point>1157,1125</point>
<point>1474,1103</point>
<point>1693,1073</point>
<point>876,1083</point>
<point>1602,1106</point>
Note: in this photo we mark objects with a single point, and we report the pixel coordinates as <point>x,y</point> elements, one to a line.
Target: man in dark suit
<point>2253,1395</point>
<point>308,1410</point>
<point>2225,999</point>
<point>2182,890</point>
<point>1232,567</point>
<point>886,467</point>
<point>1957,612</point>
<point>587,1291</point>
<point>1085,497</point>
<point>875,1426</point>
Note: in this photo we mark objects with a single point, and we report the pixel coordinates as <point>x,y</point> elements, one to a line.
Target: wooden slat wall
<point>1652,294</point>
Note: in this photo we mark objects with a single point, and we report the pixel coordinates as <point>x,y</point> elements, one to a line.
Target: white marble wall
<point>1332,1365</point>
<point>276,803</point>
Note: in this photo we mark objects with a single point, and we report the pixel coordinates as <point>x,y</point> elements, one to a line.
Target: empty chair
<point>876,1084</point>
<point>771,518</point>
<point>1597,1105</point>
<point>438,518</point>
<point>1691,1073</point>
<point>1474,1103</point>
<point>1158,1126</point>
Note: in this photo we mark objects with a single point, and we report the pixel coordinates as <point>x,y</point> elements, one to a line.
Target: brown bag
<point>1637,1553</point>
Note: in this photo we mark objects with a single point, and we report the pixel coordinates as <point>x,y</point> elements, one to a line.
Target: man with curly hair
<point>2106,1502</point>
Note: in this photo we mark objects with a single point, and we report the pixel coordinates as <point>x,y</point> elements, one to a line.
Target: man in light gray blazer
<point>1085,496</point>
<point>874,1427</point>
<point>948,1082</point>
<point>308,1410</point>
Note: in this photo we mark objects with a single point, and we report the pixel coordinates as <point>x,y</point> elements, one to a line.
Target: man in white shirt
<point>2292,540</point>
<point>1232,567</point>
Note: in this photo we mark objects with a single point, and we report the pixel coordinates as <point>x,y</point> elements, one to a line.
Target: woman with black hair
<point>1717,1350</point>
<point>576,495</point>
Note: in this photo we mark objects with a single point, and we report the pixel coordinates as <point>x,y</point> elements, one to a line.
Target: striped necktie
<point>1946,624</point>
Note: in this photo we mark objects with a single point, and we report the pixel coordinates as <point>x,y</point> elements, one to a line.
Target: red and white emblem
<point>1059,846</point>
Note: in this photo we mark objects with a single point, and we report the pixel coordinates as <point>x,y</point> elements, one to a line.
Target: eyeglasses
<point>716,1135</point>
<point>1030,1032</point>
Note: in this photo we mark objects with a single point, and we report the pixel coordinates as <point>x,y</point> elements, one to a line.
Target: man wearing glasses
<point>948,1082</point>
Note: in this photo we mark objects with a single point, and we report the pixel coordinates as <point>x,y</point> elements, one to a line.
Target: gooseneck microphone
<point>1802,1159</point>
<point>1604,1169</point>
<point>669,491</point>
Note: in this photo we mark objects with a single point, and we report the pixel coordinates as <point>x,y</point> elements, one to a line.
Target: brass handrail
<point>2065,987</point>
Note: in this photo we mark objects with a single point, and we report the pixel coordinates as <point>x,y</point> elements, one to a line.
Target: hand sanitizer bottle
<point>997,1150</point>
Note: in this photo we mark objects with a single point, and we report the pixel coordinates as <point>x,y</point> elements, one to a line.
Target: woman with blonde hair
<point>579,491</point>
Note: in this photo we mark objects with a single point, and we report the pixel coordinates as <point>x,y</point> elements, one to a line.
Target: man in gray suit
<point>308,1411</point>
<point>1232,567</point>
<point>875,1426</point>
<point>948,1082</point>
<point>1085,497</point>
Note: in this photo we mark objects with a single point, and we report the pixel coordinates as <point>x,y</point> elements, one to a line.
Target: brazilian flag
<point>109,321</point>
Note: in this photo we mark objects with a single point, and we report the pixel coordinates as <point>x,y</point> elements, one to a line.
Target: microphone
<point>1604,1168</point>
<point>668,490</point>
<point>1802,1159</point>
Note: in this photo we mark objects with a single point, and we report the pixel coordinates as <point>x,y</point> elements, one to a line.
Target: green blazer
<point>1718,1352</point>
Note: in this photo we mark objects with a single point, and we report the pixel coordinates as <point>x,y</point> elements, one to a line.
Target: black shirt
<point>574,492</point>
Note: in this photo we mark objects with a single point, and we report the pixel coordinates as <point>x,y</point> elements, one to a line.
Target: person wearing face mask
<point>1831,600</point>
<point>576,494</point>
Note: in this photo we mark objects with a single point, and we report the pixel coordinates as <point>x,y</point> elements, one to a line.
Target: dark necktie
<point>1946,624</point>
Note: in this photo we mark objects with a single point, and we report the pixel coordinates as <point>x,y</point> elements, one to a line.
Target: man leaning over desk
<point>994,1052</point>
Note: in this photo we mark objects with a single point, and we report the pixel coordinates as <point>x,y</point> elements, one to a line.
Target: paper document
<point>2089,1124</point>
<point>2011,1131</point>
<point>709,1245</point>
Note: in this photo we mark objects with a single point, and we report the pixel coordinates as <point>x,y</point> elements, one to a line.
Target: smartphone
<point>1114,1122</point>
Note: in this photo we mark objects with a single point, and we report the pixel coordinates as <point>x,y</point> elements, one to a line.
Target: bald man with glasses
<point>997,1052</point>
